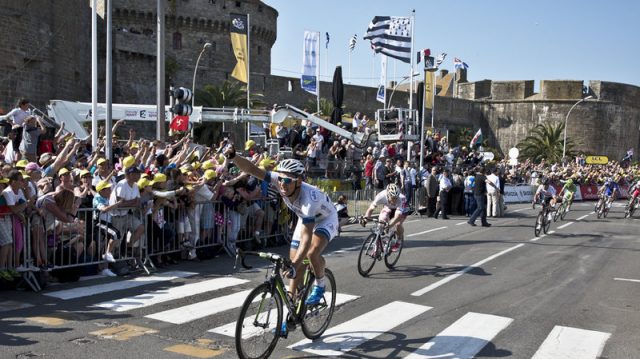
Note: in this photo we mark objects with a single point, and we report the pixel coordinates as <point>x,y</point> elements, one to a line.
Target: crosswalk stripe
<point>464,338</point>
<point>165,295</point>
<point>348,335</point>
<point>203,309</point>
<point>118,285</point>
<point>570,343</point>
<point>229,329</point>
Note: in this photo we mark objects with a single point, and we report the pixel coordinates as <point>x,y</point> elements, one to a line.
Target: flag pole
<point>248,60</point>
<point>413,19</point>
<point>350,65</point>
<point>383,62</point>
<point>433,104</point>
<point>455,88</point>
<point>318,75</point>
<point>424,101</point>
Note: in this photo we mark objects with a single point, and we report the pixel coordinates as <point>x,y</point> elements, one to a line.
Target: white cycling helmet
<point>392,190</point>
<point>291,166</point>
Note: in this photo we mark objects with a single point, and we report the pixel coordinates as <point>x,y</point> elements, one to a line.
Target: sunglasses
<point>285,180</point>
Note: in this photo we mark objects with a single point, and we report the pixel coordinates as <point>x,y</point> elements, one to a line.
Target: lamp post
<point>566,119</point>
<point>405,78</point>
<point>193,85</point>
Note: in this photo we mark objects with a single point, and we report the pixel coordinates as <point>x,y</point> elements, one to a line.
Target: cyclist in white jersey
<point>547,193</point>
<point>317,217</point>
<point>395,209</point>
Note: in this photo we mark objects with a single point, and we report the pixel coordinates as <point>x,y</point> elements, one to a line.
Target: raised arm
<point>244,164</point>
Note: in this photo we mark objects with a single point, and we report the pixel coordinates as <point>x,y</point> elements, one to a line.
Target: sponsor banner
<point>597,160</point>
<point>514,194</point>
<point>588,192</point>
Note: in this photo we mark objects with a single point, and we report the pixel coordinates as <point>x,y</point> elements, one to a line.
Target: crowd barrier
<point>142,237</point>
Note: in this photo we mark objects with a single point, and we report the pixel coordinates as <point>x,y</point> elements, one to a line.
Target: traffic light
<point>182,97</point>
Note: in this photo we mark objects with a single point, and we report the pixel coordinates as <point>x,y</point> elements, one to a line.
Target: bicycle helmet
<point>291,166</point>
<point>545,182</point>
<point>570,181</point>
<point>392,190</point>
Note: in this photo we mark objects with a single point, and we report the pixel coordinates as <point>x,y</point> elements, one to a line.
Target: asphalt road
<point>457,292</point>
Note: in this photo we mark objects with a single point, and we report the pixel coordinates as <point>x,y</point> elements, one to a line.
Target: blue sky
<point>498,39</point>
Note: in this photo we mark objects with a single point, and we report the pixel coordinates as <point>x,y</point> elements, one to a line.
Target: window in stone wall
<point>238,3</point>
<point>177,41</point>
<point>259,8</point>
<point>259,50</point>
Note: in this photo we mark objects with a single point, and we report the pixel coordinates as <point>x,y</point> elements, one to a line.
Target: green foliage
<point>326,106</point>
<point>545,141</point>
<point>229,94</point>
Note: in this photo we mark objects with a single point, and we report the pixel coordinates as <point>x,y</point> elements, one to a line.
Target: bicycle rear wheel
<point>539,222</point>
<point>393,251</point>
<point>546,224</point>
<point>258,326</point>
<point>368,255</point>
<point>556,214</point>
<point>317,317</point>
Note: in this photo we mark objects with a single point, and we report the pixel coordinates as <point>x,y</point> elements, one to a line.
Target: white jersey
<point>311,206</point>
<point>548,193</point>
<point>400,202</point>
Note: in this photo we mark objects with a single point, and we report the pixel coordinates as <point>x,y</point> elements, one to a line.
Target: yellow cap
<point>206,165</point>
<point>22,164</point>
<point>84,173</point>
<point>101,161</point>
<point>196,165</point>
<point>210,174</point>
<point>249,144</point>
<point>184,170</point>
<point>63,171</point>
<point>102,185</point>
<point>159,178</point>
<point>267,161</point>
<point>221,159</point>
<point>4,180</point>
<point>143,182</point>
<point>128,162</point>
<point>134,145</point>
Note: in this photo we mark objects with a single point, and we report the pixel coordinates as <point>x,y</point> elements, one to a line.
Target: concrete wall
<point>561,90</point>
<point>511,90</point>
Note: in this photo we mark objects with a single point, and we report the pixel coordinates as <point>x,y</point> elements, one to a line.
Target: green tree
<point>545,141</point>
<point>229,94</point>
<point>326,107</point>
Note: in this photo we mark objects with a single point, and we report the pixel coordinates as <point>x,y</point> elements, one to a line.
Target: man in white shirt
<point>445,186</point>
<point>493,194</point>
<point>127,193</point>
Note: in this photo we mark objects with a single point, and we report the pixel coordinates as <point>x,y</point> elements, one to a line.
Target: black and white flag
<point>352,42</point>
<point>391,36</point>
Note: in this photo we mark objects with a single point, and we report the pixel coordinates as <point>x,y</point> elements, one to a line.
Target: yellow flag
<point>239,43</point>
<point>428,90</point>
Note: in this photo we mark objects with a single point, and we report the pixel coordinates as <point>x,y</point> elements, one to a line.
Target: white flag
<point>310,60</point>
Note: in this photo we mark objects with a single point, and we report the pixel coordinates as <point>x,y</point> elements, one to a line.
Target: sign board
<point>513,162</point>
<point>514,153</point>
<point>597,160</point>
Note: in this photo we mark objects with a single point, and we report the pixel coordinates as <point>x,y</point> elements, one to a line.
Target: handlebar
<point>375,220</point>
<point>273,257</point>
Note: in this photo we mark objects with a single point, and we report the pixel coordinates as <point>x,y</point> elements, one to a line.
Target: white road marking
<point>551,232</point>
<point>250,330</point>
<point>569,343</point>
<point>463,271</point>
<point>423,232</point>
<point>627,280</point>
<point>521,209</point>
<point>581,218</point>
<point>203,309</point>
<point>461,223</point>
<point>350,334</point>
<point>464,338</point>
<point>119,285</point>
<point>566,225</point>
<point>592,213</point>
<point>165,295</point>
<point>537,238</point>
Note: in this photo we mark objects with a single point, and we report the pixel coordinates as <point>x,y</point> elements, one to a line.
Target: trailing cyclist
<point>569,189</point>
<point>610,190</point>
<point>317,219</point>
<point>394,212</point>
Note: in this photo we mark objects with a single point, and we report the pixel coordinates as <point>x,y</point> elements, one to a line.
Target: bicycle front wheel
<point>563,211</point>
<point>317,317</point>
<point>259,323</point>
<point>546,224</point>
<point>393,251</point>
<point>539,223</point>
<point>368,255</point>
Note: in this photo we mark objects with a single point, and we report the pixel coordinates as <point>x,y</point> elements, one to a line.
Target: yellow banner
<point>239,43</point>
<point>597,160</point>
<point>428,90</point>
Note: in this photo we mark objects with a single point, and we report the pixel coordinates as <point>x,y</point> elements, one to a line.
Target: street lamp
<point>566,119</point>
<point>405,78</point>
<point>193,85</point>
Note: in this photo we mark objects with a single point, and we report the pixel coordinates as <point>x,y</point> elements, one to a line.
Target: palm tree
<point>545,142</point>
<point>229,94</point>
<point>326,106</point>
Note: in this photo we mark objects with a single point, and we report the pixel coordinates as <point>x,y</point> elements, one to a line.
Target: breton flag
<point>239,44</point>
<point>477,139</point>
<point>440,58</point>
<point>391,36</point>
<point>352,42</point>
<point>459,64</point>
